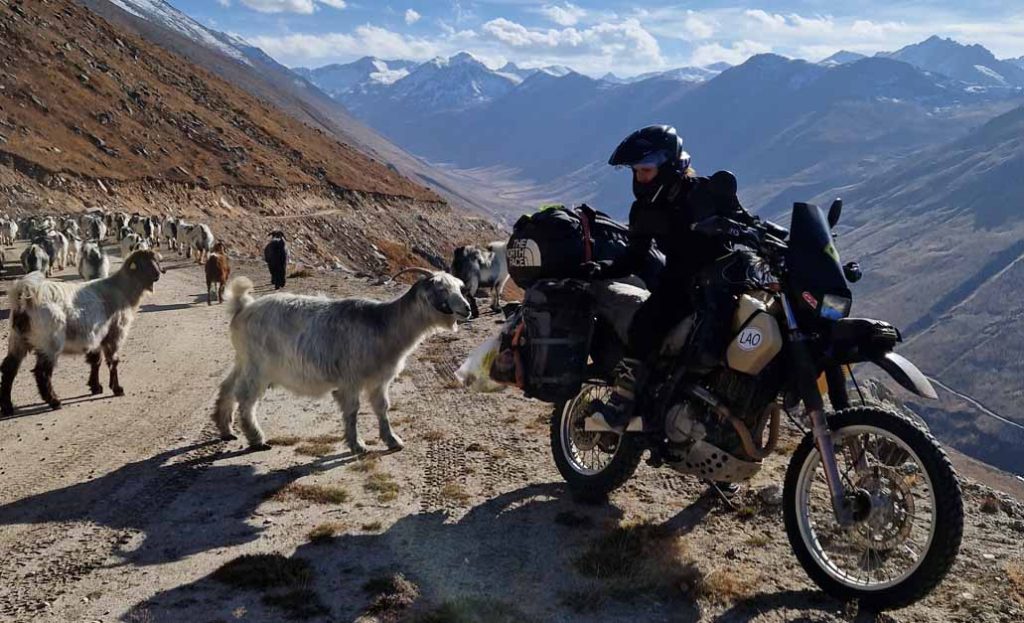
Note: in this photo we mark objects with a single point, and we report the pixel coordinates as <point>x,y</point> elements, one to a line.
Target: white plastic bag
<point>475,371</point>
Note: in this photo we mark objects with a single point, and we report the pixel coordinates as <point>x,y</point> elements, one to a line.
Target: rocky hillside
<point>91,114</point>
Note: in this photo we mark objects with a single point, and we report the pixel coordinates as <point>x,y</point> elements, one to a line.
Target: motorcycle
<point>871,504</point>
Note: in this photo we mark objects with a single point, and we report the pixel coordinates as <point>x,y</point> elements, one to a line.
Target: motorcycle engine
<point>689,422</point>
<point>706,447</point>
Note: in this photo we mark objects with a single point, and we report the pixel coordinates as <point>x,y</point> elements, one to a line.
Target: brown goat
<point>217,272</point>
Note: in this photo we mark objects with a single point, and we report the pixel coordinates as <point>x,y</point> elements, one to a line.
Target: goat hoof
<point>54,405</point>
<point>118,391</point>
<point>7,410</point>
<point>228,437</point>
<point>259,447</point>
<point>96,389</point>
<point>358,448</point>
<point>395,443</point>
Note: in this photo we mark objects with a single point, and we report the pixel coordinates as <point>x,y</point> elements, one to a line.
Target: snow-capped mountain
<point>972,64</point>
<point>841,57</point>
<point>165,15</point>
<point>1019,61</point>
<point>682,74</point>
<point>362,75</point>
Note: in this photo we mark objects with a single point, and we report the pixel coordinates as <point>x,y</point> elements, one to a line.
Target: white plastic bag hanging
<point>475,371</point>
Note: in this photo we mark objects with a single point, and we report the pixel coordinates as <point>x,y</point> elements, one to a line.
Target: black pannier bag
<point>552,243</point>
<point>546,342</point>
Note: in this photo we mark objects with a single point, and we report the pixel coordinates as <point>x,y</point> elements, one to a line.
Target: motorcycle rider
<point>699,269</point>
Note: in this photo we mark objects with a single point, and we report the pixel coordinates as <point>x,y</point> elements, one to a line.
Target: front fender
<point>906,374</point>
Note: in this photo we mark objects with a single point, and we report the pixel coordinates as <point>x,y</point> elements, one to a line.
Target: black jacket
<point>667,218</point>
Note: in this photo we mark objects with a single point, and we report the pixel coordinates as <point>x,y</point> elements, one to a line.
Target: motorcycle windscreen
<point>812,259</point>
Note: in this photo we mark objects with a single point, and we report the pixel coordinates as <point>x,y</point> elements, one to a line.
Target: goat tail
<point>239,295</point>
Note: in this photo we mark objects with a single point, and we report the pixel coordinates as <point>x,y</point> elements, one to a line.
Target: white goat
<point>482,267</point>
<point>35,258</point>
<point>97,230</point>
<point>74,248</point>
<point>201,239</point>
<point>93,318</point>
<point>8,232</point>
<point>60,249</point>
<point>93,264</point>
<point>312,345</point>
<point>182,238</point>
<point>170,231</point>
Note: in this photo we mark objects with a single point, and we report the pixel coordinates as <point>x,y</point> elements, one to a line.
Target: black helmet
<point>654,145</point>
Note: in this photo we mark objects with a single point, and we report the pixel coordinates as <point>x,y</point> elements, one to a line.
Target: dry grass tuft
<point>474,447</point>
<point>1015,573</point>
<point>433,435</point>
<point>299,603</point>
<point>317,494</point>
<point>314,449</point>
<point>366,464</point>
<point>455,493</point>
<point>373,526</point>
<point>758,540</point>
<point>325,532</point>
<point>326,438</point>
<point>640,558</point>
<point>383,485</point>
<point>284,440</point>
<point>302,273</point>
<point>264,571</point>
<point>391,594</point>
<point>991,505</point>
<point>725,585</point>
<point>473,610</point>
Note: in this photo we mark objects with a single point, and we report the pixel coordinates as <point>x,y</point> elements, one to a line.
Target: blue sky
<point>603,35</point>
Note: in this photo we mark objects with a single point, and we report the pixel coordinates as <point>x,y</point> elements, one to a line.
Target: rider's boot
<point>614,415</point>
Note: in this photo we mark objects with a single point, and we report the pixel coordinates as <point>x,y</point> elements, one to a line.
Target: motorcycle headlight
<point>834,307</point>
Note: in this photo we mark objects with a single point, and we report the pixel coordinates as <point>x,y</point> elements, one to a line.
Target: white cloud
<point>696,26</point>
<point>626,39</point>
<point>305,7</point>
<point>567,14</point>
<point>365,40</point>
<point>734,53</point>
<point>411,16</point>
<point>224,3</point>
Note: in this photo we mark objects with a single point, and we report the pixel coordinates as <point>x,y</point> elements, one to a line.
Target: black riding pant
<point>709,292</point>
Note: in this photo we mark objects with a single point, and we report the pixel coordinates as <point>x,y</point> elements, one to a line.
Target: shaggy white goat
<point>52,317</point>
<point>201,239</point>
<point>313,345</point>
<point>8,232</point>
<point>93,264</point>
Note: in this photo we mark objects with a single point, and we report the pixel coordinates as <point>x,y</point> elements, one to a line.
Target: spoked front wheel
<point>907,507</point>
<point>592,464</point>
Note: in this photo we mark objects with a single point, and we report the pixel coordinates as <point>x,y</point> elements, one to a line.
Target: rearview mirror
<point>834,213</point>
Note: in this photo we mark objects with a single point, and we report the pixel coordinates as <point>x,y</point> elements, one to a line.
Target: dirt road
<point>122,509</point>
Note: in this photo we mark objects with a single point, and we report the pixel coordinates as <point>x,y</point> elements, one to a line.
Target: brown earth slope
<point>82,97</point>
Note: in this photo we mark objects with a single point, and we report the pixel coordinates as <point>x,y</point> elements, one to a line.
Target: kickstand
<point>721,494</point>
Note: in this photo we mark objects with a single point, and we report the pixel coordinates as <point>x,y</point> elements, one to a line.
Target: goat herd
<point>308,345</point>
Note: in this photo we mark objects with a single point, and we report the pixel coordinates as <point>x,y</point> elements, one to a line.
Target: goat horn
<point>413,269</point>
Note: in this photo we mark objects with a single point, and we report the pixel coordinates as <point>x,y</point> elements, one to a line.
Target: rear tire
<point>947,515</point>
<point>598,483</point>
